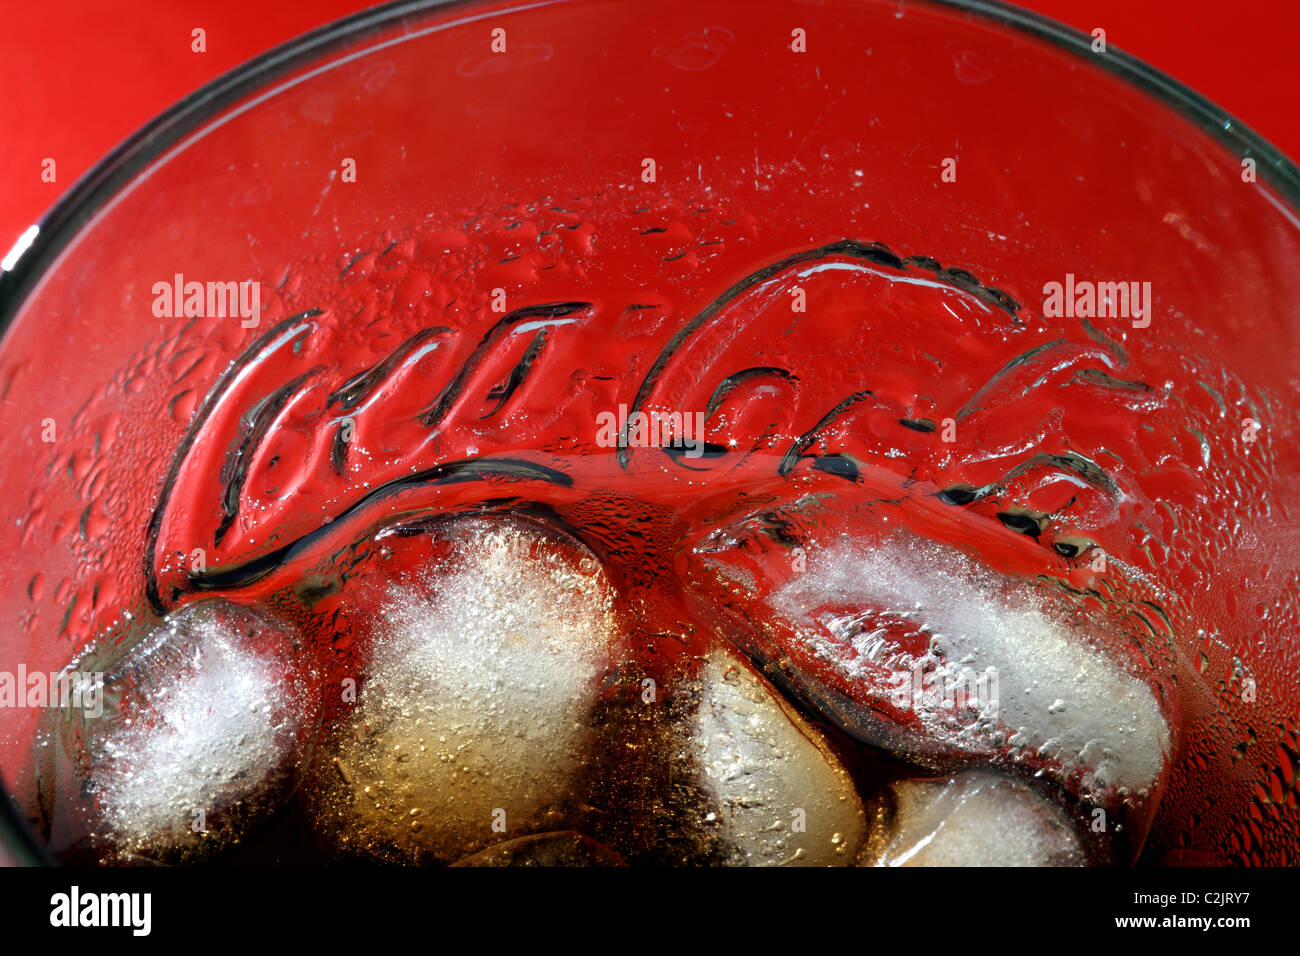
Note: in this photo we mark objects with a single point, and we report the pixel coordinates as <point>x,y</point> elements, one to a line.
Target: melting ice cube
<point>1055,693</point>
<point>971,819</point>
<point>204,724</point>
<point>472,726</point>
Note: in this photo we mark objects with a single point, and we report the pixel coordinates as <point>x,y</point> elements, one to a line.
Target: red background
<point>81,75</point>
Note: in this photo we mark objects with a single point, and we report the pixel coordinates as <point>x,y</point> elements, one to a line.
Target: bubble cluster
<point>205,724</point>
<point>473,720</point>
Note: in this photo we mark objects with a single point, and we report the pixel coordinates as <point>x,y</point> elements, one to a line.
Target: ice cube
<point>1049,686</point>
<point>205,721</point>
<point>782,795</point>
<point>972,819</point>
<point>473,724</point>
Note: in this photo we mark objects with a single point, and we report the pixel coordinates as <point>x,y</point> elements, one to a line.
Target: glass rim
<point>33,252</point>
<point>62,221</point>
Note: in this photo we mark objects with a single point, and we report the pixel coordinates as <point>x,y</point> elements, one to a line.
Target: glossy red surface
<point>81,76</point>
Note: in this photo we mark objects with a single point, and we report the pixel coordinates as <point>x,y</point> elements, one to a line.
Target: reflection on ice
<point>1055,694</point>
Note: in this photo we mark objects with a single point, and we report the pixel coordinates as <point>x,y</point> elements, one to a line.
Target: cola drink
<point>664,500</point>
